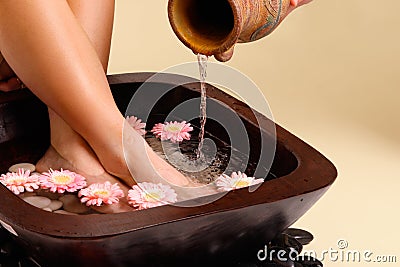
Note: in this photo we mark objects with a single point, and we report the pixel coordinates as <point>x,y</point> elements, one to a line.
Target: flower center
<point>173,128</point>
<point>17,180</point>
<point>62,179</point>
<point>152,197</point>
<point>102,193</point>
<point>242,183</point>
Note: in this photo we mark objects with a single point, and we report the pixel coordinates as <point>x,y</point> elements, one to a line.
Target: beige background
<point>332,77</point>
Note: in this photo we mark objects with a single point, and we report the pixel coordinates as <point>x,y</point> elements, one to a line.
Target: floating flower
<point>174,131</point>
<point>97,194</point>
<point>148,195</point>
<point>61,181</point>
<point>235,181</point>
<point>137,124</point>
<point>20,181</point>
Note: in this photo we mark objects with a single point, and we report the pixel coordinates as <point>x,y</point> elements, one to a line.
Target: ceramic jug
<point>213,27</point>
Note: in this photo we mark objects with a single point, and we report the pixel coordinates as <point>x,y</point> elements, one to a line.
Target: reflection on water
<point>216,158</point>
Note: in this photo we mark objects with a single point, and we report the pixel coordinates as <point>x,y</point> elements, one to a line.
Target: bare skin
<point>51,26</point>
<point>67,144</point>
<point>79,139</point>
<point>68,149</point>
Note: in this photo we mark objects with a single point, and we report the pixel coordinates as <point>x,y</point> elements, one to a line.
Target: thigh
<point>96,18</point>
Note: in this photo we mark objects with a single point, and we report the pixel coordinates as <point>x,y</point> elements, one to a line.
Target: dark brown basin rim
<point>16,212</point>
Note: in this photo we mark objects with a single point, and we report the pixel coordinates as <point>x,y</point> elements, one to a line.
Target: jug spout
<point>213,27</point>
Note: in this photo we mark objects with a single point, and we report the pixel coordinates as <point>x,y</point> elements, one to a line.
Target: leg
<point>80,92</point>
<point>67,146</point>
<point>68,149</point>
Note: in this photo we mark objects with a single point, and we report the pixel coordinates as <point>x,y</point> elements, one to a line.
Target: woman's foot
<point>84,162</point>
<point>70,151</point>
<point>134,160</point>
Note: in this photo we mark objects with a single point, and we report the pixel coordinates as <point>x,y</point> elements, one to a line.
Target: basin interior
<point>24,133</point>
<point>299,176</point>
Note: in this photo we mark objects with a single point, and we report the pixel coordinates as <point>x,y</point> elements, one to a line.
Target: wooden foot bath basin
<point>239,222</point>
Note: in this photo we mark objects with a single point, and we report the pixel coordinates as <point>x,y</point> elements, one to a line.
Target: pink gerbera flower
<point>20,181</point>
<point>97,194</point>
<point>235,181</point>
<point>148,195</point>
<point>61,181</point>
<point>174,131</point>
<point>137,124</point>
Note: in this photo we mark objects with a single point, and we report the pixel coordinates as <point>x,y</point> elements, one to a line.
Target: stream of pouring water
<point>202,60</point>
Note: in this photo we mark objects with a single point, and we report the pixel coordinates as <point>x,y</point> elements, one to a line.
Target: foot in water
<point>76,155</point>
<point>82,158</point>
<point>133,159</point>
<point>84,162</point>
